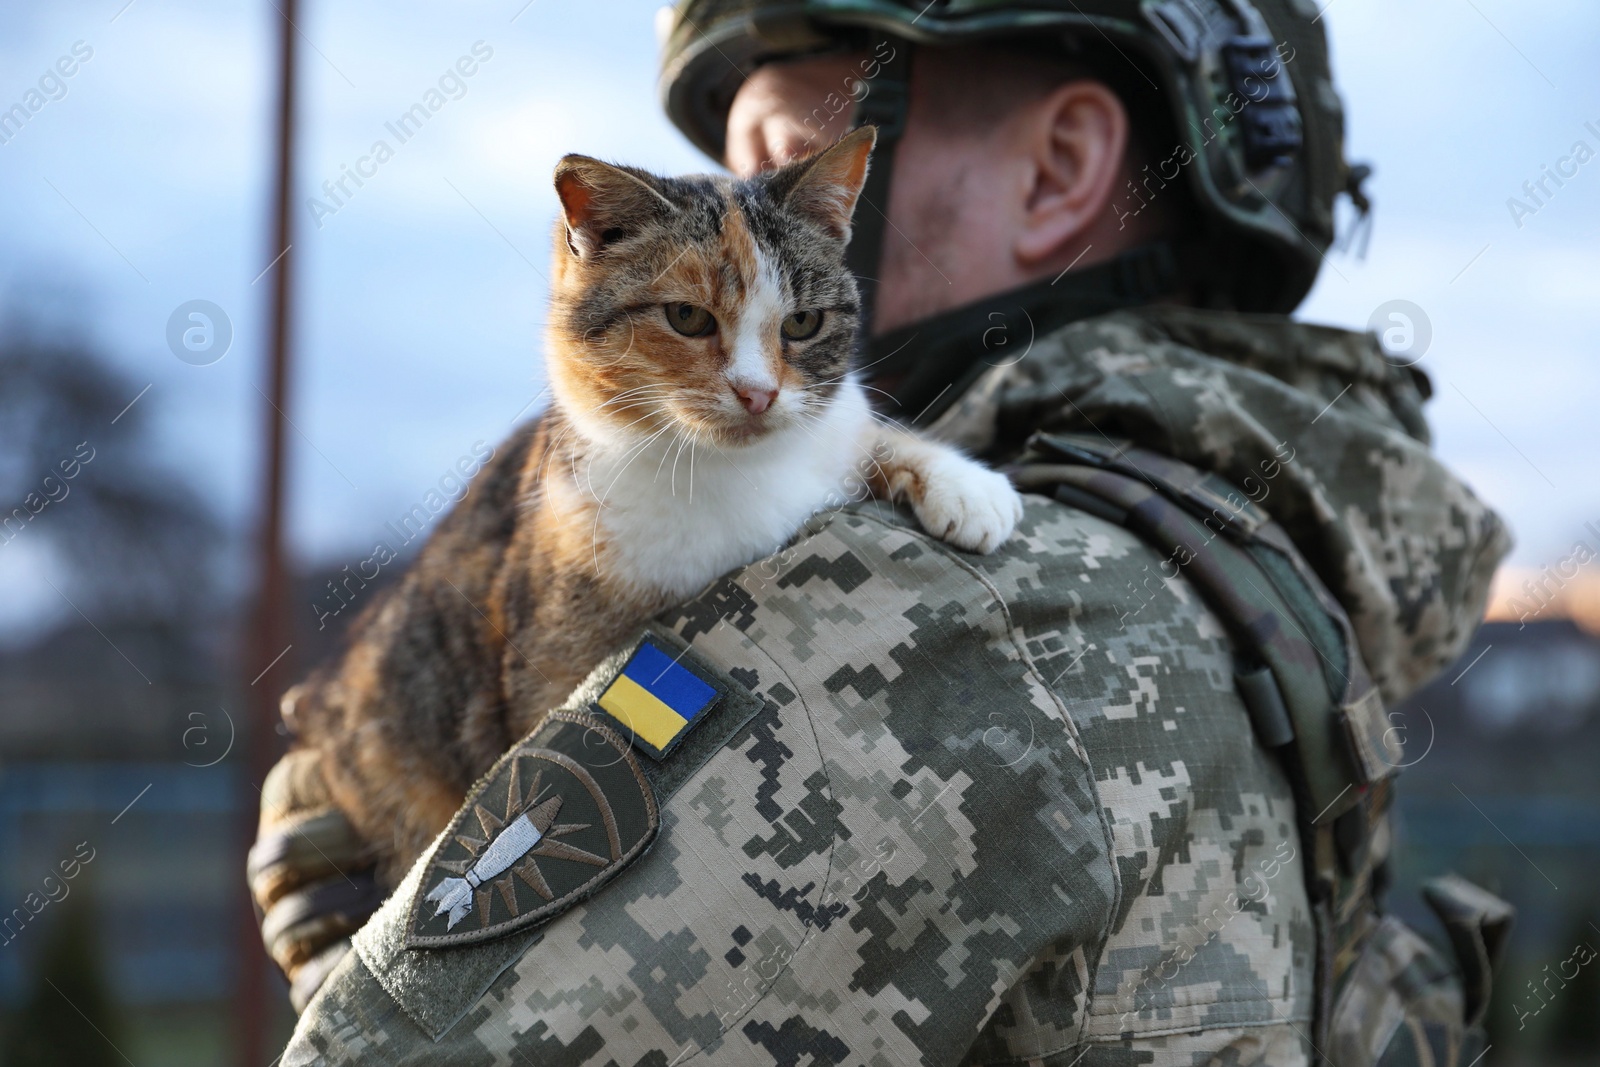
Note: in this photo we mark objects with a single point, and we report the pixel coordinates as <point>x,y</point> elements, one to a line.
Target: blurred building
<point>1502,787</point>
<point>122,797</point>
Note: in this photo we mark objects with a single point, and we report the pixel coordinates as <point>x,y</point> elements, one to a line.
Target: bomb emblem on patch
<point>561,814</point>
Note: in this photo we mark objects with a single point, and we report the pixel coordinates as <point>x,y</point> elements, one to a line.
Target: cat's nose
<point>755,398</point>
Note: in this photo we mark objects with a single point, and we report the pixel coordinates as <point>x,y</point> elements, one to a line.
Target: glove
<point>311,875</point>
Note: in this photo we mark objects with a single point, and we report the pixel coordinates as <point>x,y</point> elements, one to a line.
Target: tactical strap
<point>884,106</point>
<point>1300,673</point>
<point>925,378</point>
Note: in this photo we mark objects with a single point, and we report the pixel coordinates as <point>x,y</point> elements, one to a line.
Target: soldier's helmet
<point>1257,126</point>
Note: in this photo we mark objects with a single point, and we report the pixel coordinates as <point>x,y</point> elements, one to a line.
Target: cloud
<point>419,323</point>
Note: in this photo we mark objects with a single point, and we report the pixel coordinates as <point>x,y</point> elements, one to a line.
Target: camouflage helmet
<point>1261,154</point>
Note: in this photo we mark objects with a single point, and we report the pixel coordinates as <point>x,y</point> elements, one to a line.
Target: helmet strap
<point>926,366</point>
<point>885,104</point>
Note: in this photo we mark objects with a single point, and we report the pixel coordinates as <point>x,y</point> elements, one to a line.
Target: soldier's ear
<point>826,186</point>
<point>1075,142</point>
<point>603,204</point>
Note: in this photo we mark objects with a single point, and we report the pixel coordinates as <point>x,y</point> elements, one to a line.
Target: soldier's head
<point>1015,164</point>
<point>1198,142</point>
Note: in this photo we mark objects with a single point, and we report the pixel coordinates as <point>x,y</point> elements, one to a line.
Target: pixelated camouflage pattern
<point>1405,546</point>
<point>1400,1005</point>
<point>994,809</point>
<point>978,820</point>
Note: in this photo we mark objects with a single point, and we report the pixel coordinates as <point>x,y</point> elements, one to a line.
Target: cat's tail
<point>453,895</point>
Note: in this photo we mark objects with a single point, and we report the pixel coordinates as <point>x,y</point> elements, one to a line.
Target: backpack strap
<point>1299,672</point>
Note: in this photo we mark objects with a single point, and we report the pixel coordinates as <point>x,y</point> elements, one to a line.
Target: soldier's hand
<point>310,873</point>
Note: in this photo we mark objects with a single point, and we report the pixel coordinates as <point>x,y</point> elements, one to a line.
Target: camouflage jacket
<point>979,810</point>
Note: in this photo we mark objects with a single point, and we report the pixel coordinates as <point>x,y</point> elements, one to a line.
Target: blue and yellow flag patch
<point>657,698</point>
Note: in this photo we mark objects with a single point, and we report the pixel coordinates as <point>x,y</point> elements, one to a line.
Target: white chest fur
<point>673,517</point>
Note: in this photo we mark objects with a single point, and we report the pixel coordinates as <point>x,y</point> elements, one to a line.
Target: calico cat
<point>699,343</point>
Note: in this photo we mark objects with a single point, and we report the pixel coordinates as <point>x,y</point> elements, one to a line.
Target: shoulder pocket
<point>1402,1003</point>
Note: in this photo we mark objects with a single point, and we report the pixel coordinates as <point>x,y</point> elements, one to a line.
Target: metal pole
<point>265,659</point>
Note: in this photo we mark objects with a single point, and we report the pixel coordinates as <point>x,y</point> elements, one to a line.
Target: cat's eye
<point>802,325</point>
<point>690,320</point>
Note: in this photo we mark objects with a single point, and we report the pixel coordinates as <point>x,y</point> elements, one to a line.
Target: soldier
<point>1117,793</point>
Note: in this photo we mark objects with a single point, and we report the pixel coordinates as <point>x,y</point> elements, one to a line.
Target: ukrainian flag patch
<point>657,698</point>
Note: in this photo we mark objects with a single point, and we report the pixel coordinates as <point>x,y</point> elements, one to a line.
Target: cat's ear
<point>825,187</point>
<point>603,203</point>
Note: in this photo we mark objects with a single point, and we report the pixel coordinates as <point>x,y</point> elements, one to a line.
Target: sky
<point>421,294</point>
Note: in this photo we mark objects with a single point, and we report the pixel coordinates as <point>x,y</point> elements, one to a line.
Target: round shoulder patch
<point>559,815</point>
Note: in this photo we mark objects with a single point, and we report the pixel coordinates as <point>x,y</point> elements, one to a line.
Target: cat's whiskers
<point>813,407</point>
<point>875,464</point>
<point>816,406</point>
<point>600,506</point>
<point>801,425</point>
<point>633,453</point>
<point>575,454</point>
<point>841,376</point>
<point>557,446</point>
<point>884,420</point>
<point>875,389</point>
<point>880,359</point>
<point>691,446</point>
<point>634,398</point>
<point>626,400</point>
<point>701,420</point>
<point>666,452</point>
<point>653,405</point>
<point>552,452</point>
<point>648,387</point>
<point>675,466</point>
<point>659,408</point>
<point>729,458</point>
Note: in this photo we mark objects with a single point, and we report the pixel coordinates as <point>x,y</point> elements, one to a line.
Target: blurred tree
<point>67,1018</point>
<point>128,543</point>
<point>135,540</point>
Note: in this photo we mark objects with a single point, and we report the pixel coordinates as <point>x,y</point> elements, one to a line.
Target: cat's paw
<point>966,504</point>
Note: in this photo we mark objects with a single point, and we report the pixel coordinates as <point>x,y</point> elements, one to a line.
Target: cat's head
<point>704,305</point>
